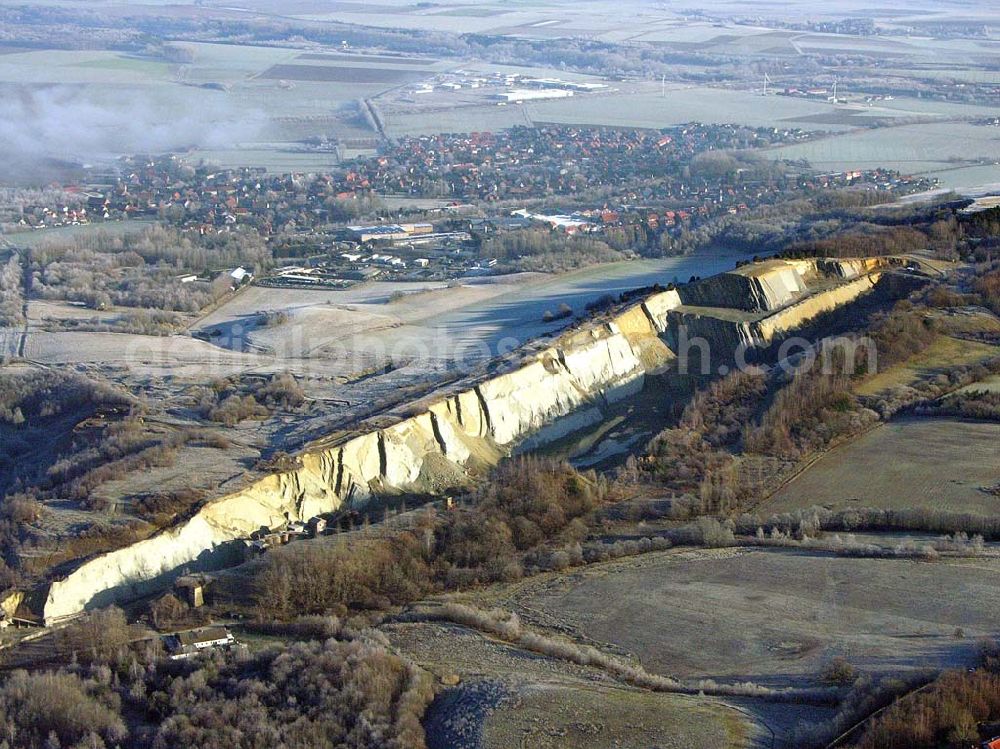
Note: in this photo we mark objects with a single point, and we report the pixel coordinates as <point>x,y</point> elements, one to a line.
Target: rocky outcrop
<point>659,305</point>
<point>794,316</point>
<point>10,601</point>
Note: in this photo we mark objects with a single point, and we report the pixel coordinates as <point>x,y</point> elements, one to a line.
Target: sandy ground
<point>469,323</point>
<point>935,463</point>
<point>367,321</point>
<point>352,333</point>
<point>176,356</point>
<point>355,333</point>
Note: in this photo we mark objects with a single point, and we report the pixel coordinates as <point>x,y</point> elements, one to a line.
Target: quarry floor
<point>342,332</point>
<point>353,351</point>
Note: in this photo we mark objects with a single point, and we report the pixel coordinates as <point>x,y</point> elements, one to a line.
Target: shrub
<point>946,714</point>
<point>97,636</point>
<point>37,707</point>
<point>839,672</point>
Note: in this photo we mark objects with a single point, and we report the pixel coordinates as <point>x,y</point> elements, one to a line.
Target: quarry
<point>531,398</point>
<point>450,375</point>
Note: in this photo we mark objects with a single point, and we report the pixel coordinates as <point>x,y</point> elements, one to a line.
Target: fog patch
<point>41,127</point>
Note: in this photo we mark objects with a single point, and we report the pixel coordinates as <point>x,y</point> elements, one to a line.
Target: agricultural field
<point>40,236</point>
<point>638,104</point>
<point>946,73</point>
<point>774,616</point>
<point>227,104</point>
<point>947,151</point>
<point>509,697</point>
<point>473,118</point>
<point>274,157</point>
<point>529,19</point>
<point>647,106</point>
<point>342,74</point>
<point>938,464</point>
<point>943,353</point>
<point>602,20</point>
<point>251,104</point>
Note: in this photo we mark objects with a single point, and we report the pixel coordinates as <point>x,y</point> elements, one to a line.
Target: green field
<point>151,68</point>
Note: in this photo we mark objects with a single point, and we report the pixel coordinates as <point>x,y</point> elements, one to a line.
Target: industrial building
<point>523,94</point>
<point>387,232</point>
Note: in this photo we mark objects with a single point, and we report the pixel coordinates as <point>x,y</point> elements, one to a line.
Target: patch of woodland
<point>332,687</point>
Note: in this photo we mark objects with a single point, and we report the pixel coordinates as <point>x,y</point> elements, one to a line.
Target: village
<point>521,164</point>
<point>437,208</point>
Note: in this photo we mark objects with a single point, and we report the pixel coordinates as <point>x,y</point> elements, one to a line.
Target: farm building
<point>190,642</point>
<point>241,276</point>
<point>316,526</point>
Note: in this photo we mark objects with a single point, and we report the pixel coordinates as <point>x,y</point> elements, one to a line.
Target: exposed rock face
<point>756,288</point>
<point>853,267</point>
<point>795,315</point>
<point>550,394</point>
<point>470,428</point>
<point>657,306</point>
<point>725,332</point>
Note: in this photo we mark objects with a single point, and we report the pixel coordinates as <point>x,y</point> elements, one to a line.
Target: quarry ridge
<point>443,439</point>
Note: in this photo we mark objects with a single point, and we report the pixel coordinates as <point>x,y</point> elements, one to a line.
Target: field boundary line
<point>847,734</point>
